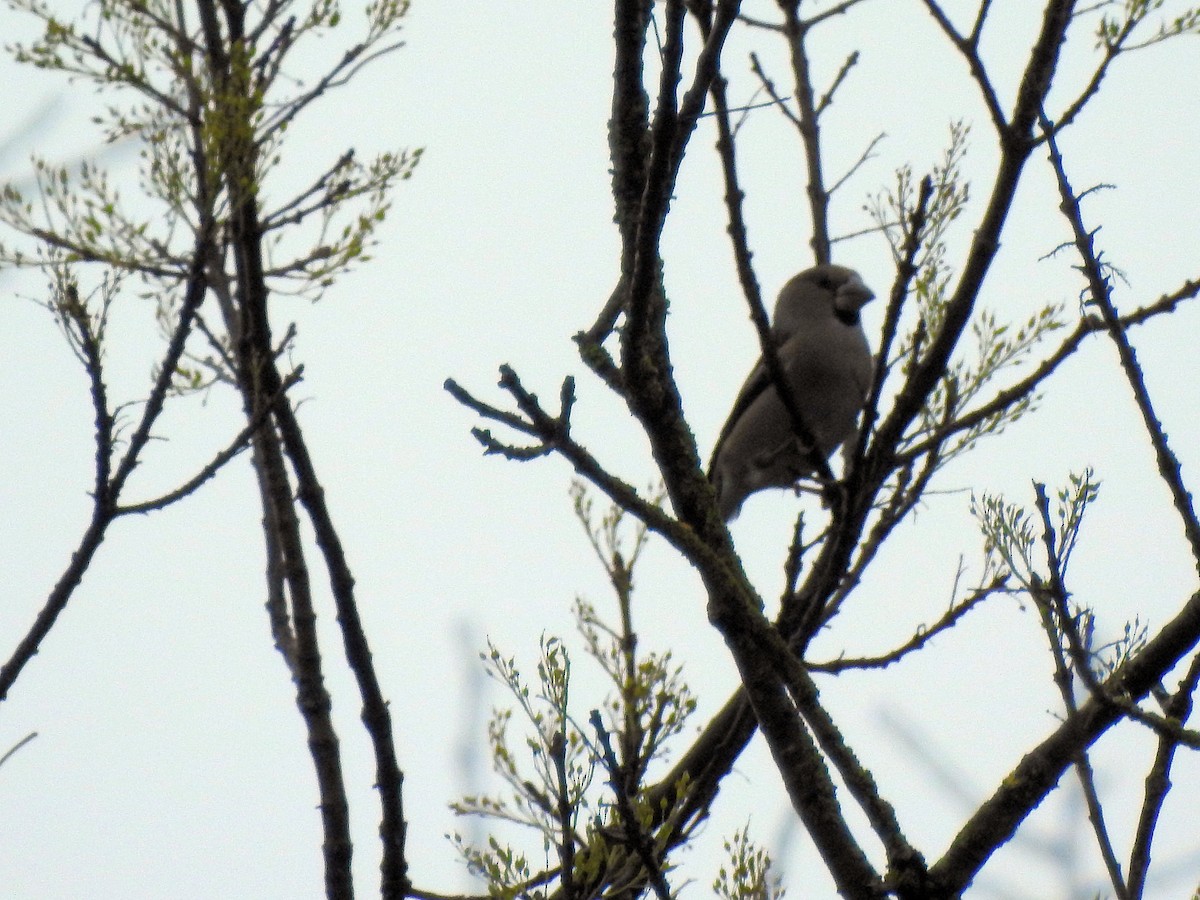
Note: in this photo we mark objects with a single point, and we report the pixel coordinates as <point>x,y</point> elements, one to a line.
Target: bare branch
<point>294,211</point>
<point>905,864</point>
<point>1100,291</point>
<point>759,23</point>
<point>836,10</point>
<point>352,61</point>
<point>1016,145</point>
<point>1051,601</point>
<point>104,502</point>
<point>804,773</point>
<point>921,636</point>
<point>87,341</point>
<point>1158,782</point>
<point>239,443</point>
<point>8,754</point>
<point>634,833</point>
<point>810,132</point>
<point>827,98</point>
<point>866,155</point>
<point>980,16</point>
<point>554,435</point>
<point>769,86</point>
<point>969,48</point>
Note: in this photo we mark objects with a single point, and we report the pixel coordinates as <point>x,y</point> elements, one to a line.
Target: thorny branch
<point>1100,291</point>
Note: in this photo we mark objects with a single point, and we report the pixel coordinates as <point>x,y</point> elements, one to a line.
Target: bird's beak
<point>852,296</point>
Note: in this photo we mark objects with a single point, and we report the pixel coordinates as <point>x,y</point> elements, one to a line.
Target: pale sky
<point>170,760</point>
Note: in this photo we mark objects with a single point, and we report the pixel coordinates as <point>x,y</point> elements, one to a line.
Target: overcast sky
<point>170,760</point>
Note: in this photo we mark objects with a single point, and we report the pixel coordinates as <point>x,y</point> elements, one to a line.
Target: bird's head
<point>821,291</point>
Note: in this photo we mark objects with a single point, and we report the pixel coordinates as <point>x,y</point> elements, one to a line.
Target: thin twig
<point>836,10</point>
<point>827,98</point>
<point>906,271</point>
<point>635,835</point>
<point>977,28</point>
<point>17,746</point>
<point>236,446</point>
<point>352,61</point>
<point>1027,385</point>
<point>920,637</point>
<point>554,434</point>
<point>969,48</point>
<point>769,86</point>
<point>88,343</point>
<point>866,155</point>
<point>1051,601</point>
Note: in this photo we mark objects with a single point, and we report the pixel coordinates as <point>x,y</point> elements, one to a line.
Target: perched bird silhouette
<point>826,362</point>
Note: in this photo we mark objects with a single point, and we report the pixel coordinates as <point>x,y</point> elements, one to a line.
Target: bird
<point>826,360</point>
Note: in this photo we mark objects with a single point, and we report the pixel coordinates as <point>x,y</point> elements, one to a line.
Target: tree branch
<point>1158,781</point>
<point>1100,291</point>
<point>239,443</point>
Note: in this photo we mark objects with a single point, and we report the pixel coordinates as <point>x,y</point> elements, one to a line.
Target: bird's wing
<point>864,367</point>
<point>758,381</point>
